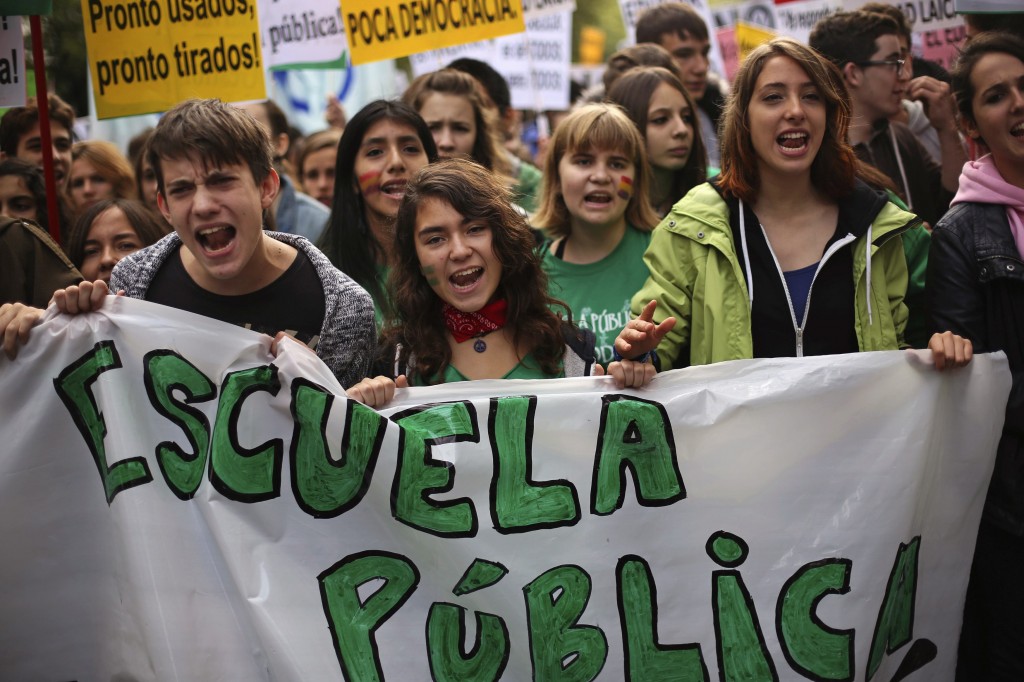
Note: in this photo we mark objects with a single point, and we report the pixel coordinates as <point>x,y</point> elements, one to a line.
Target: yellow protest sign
<point>387,29</point>
<point>147,55</point>
<point>749,36</point>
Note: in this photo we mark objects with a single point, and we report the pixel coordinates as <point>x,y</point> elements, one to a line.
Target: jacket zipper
<point>798,328</point>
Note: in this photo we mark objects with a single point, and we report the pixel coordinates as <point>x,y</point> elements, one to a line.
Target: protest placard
<point>796,18</point>
<point>389,29</point>
<point>176,503</point>
<point>538,8</point>
<point>730,51</point>
<point>432,60</point>
<point>536,63</point>
<point>12,63</point>
<point>147,55</point>
<point>749,36</point>
<point>302,34</point>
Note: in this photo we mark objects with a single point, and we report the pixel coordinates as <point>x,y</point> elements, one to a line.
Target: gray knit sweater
<point>349,333</point>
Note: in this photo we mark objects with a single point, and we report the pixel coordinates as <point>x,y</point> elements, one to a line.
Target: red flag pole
<point>44,126</point>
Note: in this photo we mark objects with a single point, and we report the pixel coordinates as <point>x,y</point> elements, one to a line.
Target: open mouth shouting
<point>598,199</point>
<point>1018,130</point>
<point>214,240</point>
<point>794,142</point>
<point>464,280</point>
<point>394,189</point>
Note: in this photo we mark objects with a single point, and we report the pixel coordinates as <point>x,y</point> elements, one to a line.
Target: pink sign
<point>730,51</point>
<point>941,44</point>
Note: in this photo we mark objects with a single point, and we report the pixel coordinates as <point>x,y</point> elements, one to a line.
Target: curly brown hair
<point>414,322</point>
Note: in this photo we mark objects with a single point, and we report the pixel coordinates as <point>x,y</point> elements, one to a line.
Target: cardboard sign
<point>178,503</point>
<point>396,28</point>
<point>146,55</point>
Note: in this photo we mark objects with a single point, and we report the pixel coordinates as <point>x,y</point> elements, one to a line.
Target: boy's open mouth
<point>216,238</point>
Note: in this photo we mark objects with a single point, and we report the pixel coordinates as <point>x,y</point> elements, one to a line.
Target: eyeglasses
<point>895,64</point>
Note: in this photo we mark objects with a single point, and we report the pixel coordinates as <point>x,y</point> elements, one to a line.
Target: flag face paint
<point>369,183</point>
<point>625,187</point>
<point>428,272</point>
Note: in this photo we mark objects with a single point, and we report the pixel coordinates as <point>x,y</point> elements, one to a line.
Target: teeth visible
<point>211,230</point>
<point>463,273</point>
<point>792,136</point>
<point>1017,129</point>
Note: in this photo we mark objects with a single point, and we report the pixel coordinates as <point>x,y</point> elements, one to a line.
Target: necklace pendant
<point>479,345</point>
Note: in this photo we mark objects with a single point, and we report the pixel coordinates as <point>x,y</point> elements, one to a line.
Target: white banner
<point>176,504</point>
<point>13,78</point>
<point>301,32</point>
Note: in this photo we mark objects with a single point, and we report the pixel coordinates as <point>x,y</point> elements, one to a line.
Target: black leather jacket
<point>976,289</point>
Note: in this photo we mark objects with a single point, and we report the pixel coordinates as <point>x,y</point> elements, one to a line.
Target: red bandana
<point>465,326</point>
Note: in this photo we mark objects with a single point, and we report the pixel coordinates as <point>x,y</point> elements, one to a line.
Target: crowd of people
<point>835,197</point>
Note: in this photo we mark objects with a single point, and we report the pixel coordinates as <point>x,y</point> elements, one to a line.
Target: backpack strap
<point>581,350</point>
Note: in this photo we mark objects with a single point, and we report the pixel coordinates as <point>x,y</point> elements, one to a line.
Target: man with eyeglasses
<point>914,113</point>
<point>866,48</point>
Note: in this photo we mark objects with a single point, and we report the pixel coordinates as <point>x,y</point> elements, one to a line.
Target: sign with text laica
<point>396,28</point>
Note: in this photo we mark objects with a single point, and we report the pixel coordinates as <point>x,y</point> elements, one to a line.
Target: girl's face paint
<point>625,187</point>
<point>369,183</point>
<point>428,272</point>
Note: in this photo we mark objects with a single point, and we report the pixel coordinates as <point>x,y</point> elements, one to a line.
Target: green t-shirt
<point>598,294</point>
<point>527,190</point>
<point>526,369</point>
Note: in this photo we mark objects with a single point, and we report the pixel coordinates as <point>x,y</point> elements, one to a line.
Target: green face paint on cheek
<point>428,272</point>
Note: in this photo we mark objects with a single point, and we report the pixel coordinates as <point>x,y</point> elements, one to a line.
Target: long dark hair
<point>348,241</point>
<point>416,323</point>
<point>633,91</point>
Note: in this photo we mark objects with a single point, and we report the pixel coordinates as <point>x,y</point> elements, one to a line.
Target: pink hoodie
<point>980,182</point>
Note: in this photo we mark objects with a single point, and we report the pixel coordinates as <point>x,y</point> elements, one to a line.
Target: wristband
<point>649,356</point>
